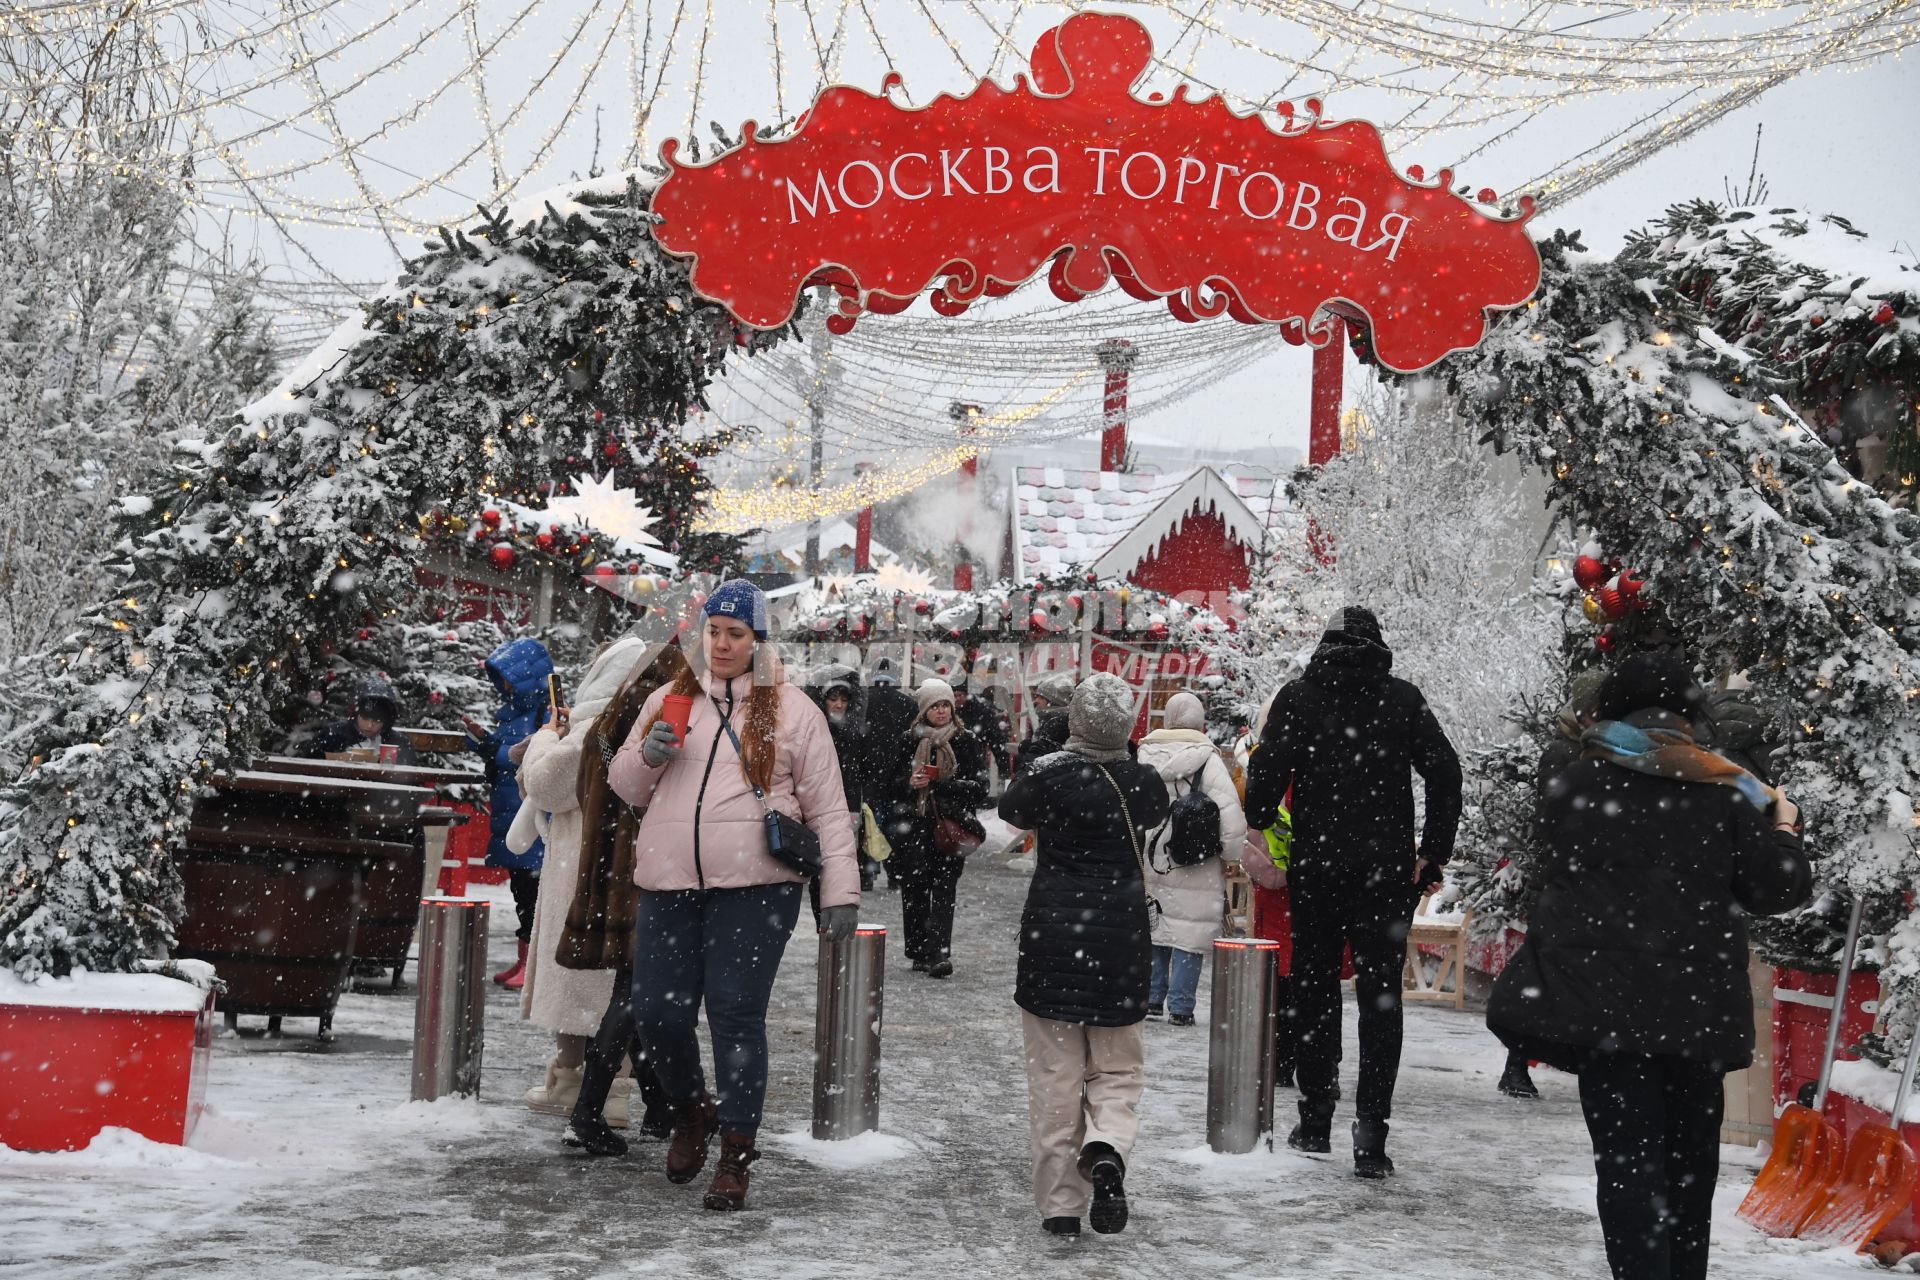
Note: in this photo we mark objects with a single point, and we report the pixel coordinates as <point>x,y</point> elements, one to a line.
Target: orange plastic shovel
<point>1877,1181</point>
<point>1807,1150</point>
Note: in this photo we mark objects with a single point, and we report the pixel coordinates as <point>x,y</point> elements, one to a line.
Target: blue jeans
<point>722,946</point>
<point>1183,967</point>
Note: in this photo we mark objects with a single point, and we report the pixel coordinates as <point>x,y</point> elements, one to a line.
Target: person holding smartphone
<point>519,670</point>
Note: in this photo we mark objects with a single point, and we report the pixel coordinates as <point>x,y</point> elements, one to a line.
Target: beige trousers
<point>1083,1085</point>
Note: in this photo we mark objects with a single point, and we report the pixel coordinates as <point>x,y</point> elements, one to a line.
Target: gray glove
<point>659,746</point>
<point>839,923</point>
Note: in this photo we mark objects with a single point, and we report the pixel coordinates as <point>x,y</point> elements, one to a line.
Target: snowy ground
<point>311,1163</point>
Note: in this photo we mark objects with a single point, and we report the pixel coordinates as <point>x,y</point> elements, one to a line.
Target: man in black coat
<point>1347,738</point>
<point>983,721</point>
<point>890,714</point>
<point>375,710</point>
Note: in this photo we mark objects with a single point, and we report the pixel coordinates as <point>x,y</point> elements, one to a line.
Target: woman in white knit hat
<point>939,780</point>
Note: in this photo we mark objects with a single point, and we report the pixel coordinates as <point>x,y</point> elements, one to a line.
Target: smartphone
<point>554,700</point>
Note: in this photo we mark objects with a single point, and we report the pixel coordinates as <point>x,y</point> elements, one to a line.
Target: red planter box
<point>1800,1030</point>
<point>72,1065</point>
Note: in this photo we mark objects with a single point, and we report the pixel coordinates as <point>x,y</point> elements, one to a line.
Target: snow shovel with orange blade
<point>1876,1182</point>
<point>1807,1149</point>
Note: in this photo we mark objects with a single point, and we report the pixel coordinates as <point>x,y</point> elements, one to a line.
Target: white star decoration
<point>606,509</point>
<point>898,577</point>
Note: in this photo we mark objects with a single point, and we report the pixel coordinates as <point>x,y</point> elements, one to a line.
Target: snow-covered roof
<point>1106,522</point>
<point>790,543</point>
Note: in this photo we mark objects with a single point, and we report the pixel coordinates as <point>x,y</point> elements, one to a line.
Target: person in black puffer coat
<point>890,713</point>
<point>1086,956</point>
<point>1051,698</point>
<point>835,688</point>
<point>939,772</point>
<point>1634,971</point>
<point>1348,738</point>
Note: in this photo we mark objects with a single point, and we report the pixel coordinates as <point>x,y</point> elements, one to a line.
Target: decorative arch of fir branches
<point>1766,555</point>
<point>479,372</point>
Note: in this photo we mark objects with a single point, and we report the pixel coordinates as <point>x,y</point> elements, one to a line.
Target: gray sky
<point>1836,140</point>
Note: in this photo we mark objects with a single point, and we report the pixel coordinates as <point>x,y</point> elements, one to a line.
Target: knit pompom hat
<point>740,600</point>
<point>931,692</point>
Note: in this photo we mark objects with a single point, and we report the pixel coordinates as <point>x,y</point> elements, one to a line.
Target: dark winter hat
<point>883,673</point>
<point>374,696</point>
<point>1647,681</point>
<point>740,600</point>
<point>1359,622</point>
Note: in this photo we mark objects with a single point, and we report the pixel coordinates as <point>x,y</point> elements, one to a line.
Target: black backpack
<point>1191,833</point>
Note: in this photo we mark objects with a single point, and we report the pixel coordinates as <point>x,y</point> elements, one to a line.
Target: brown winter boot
<point>729,1189</point>
<point>693,1124</point>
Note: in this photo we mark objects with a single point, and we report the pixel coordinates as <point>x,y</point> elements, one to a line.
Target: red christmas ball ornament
<point>1606,642</point>
<point>1816,321</point>
<point>599,415</point>
<point>610,449</point>
<point>1588,572</point>
<point>633,567</point>
<point>1038,620</point>
<point>1631,585</point>
<point>1884,315</point>
<point>604,570</point>
<point>1076,600</point>
<point>543,540</point>
<point>490,518</point>
<point>1157,630</point>
<point>502,556</point>
<point>364,633</point>
<point>452,637</point>
<point>1612,603</point>
<point>921,606</point>
<point>436,697</point>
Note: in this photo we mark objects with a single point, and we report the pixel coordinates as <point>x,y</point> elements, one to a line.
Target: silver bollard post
<point>846,1034</point>
<point>449,1018</point>
<point>1240,1044</point>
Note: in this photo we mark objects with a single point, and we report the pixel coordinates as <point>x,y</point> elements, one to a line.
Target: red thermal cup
<point>676,708</point>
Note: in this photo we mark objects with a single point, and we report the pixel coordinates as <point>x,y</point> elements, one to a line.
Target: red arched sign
<point>1183,200</point>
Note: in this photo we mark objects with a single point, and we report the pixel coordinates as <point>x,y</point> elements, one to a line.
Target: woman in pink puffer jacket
<point>716,908</point>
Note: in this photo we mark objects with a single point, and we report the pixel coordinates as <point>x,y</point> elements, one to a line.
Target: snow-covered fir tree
<point>116,332</point>
<point>491,365</point>
<point>1767,556</point>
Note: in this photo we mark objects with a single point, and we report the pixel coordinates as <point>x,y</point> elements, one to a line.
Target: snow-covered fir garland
<point>1767,555</point>
<point>492,361</point>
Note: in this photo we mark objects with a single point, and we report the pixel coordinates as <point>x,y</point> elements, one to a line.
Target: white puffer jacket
<point>1192,899</point>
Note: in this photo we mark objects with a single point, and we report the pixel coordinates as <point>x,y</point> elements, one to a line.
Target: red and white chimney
<point>1116,356</point>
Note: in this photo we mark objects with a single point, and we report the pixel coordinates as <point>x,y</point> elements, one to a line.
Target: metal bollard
<point>1240,1044</point>
<point>846,1034</point>
<point>449,1017</point>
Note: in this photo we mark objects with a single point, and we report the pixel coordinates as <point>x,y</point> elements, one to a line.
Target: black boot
<point>1060,1226</point>
<point>594,1136</point>
<point>1370,1150</point>
<point>1101,1165</point>
<point>1314,1133</point>
<point>1516,1081</point>
<point>587,1127</point>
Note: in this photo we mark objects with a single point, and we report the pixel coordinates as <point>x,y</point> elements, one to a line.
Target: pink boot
<point>516,977</point>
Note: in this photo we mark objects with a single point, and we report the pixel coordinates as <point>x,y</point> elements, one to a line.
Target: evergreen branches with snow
<point>489,367</point>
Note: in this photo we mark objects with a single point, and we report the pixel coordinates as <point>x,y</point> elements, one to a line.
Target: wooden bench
<point>1450,938</point>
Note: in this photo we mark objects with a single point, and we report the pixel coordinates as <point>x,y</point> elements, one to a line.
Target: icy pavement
<point>311,1163</point>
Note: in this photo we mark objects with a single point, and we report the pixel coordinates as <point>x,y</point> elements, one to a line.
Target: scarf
<point>934,752</point>
<point>1663,747</point>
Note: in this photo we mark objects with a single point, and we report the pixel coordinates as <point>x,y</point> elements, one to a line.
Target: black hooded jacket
<point>1349,736</point>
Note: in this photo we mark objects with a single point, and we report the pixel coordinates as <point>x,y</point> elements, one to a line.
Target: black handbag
<point>791,842</point>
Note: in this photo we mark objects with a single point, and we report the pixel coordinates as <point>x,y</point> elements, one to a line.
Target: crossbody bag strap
<point>740,752</point>
<point>1133,833</point>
